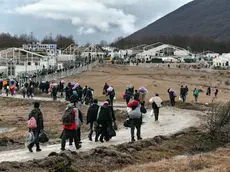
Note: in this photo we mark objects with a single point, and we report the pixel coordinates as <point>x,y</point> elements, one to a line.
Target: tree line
<point>192,43</point>
<point>7,40</point>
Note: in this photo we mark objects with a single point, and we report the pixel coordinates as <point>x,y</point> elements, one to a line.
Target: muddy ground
<point>14,114</point>
<point>188,142</point>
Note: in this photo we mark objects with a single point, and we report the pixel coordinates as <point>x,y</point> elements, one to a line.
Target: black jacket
<point>37,114</point>
<point>92,113</point>
<point>74,98</point>
<point>112,113</point>
<point>105,115</point>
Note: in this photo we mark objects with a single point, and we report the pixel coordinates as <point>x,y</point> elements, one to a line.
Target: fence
<point>63,74</point>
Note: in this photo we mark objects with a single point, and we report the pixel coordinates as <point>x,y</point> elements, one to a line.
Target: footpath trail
<point>171,120</point>
<point>48,99</point>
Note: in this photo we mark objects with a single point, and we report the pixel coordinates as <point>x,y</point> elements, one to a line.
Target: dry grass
<point>210,162</point>
<point>156,80</point>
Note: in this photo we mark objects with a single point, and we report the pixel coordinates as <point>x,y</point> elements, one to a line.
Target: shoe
<point>90,138</point>
<point>78,147</point>
<point>139,138</point>
<point>133,140</point>
<point>30,149</point>
<point>38,150</point>
<point>101,140</point>
<point>62,149</point>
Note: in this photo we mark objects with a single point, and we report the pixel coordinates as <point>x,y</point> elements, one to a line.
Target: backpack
<point>68,117</point>
<point>32,123</point>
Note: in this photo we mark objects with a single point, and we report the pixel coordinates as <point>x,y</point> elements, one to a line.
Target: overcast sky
<point>86,20</point>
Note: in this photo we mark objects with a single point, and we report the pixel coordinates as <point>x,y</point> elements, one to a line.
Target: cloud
<point>87,15</point>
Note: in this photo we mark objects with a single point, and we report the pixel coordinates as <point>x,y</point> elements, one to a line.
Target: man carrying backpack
<point>92,116</point>
<point>104,119</point>
<point>71,123</point>
<point>36,116</point>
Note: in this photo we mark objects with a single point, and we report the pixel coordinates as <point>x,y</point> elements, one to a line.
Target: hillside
<point>200,17</point>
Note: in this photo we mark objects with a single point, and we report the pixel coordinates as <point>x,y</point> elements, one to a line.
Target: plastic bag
<point>180,99</point>
<point>151,113</point>
<point>127,123</point>
<point>29,139</point>
<point>43,138</point>
<point>111,132</point>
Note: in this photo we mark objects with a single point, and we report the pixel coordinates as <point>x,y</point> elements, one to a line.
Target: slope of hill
<point>200,17</point>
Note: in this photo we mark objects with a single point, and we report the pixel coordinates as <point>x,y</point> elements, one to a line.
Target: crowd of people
<point>102,119</point>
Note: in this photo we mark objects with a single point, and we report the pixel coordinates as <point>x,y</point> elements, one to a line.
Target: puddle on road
<point>5,130</point>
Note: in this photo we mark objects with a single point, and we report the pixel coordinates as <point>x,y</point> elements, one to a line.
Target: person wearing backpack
<point>79,122</point>
<point>36,116</point>
<point>135,119</point>
<point>104,118</point>
<point>74,98</point>
<point>92,117</point>
<point>196,94</point>
<point>70,123</point>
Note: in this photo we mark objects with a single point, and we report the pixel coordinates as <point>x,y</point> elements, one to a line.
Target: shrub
<point>219,123</point>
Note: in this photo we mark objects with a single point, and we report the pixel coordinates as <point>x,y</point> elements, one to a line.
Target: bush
<point>219,123</point>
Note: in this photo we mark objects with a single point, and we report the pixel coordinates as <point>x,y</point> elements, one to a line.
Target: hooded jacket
<point>92,113</point>
<point>104,115</point>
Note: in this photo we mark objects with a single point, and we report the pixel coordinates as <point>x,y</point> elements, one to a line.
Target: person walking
<point>216,91</point>
<point>104,119</point>
<point>70,120</point>
<point>186,93</point>
<point>79,123</point>
<point>54,91</point>
<point>92,117</point>
<point>135,118</point>
<point>196,94</point>
<point>136,95</point>
<point>38,116</point>
<point>128,96</point>
<point>111,95</point>
<point>172,96</point>
<point>208,91</point>
<point>156,102</point>
<point>74,98</point>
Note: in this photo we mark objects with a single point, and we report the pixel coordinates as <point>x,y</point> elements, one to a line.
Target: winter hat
<point>130,104</point>
<point>106,103</point>
<point>135,103</point>
<point>74,92</point>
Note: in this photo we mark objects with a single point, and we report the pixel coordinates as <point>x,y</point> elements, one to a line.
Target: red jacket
<point>74,124</point>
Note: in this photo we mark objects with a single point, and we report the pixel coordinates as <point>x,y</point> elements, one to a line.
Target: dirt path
<point>171,120</point>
